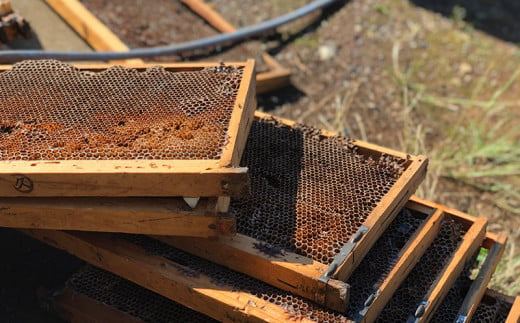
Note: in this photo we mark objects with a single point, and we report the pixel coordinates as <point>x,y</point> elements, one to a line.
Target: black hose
<point>208,42</point>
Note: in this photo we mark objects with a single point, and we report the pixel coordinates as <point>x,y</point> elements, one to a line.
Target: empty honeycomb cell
<point>381,258</point>
<point>414,289</point>
<point>53,111</point>
<point>127,297</point>
<point>295,306</point>
<point>309,193</point>
<point>449,308</point>
<point>491,310</point>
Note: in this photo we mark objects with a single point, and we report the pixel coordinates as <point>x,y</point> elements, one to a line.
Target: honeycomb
<point>53,111</point>
<point>491,310</point>
<point>450,306</point>
<point>415,288</point>
<point>192,266</point>
<point>309,193</point>
<point>127,297</point>
<point>381,258</point>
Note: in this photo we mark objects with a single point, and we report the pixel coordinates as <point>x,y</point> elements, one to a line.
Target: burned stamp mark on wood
<point>23,184</point>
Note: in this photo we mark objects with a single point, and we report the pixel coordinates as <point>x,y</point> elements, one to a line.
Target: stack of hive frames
<point>109,131</point>
<point>314,195</point>
<point>418,297</point>
<point>220,292</point>
<point>465,295</point>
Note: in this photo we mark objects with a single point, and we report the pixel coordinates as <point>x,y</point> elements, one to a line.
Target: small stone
<point>465,68</point>
<point>327,52</point>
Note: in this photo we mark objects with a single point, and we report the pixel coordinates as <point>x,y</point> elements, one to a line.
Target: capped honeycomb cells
<point>53,111</point>
<point>382,257</point>
<point>309,193</point>
<point>127,297</point>
<point>189,265</point>
<point>414,289</point>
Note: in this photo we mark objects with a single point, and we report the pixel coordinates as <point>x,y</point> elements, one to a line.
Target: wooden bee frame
<point>101,38</point>
<point>301,275</point>
<point>495,244</point>
<point>183,178</point>
<point>165,216</point>
<point>163,276</point>
<point>415,248</point>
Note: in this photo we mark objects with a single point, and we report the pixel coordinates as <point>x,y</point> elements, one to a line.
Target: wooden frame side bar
<point>88,27</point>
<point>76,308</point>
<point>470,244</point>
<point>495,243</point>
<point>514,313</point>
<point>409,257</point>
<point>285,270</point>
<point>129,215</point>
<point>163,276</point>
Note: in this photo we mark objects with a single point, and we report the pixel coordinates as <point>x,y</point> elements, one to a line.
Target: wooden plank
<point>471,242</point>
<point>285,270</point>
<point>514,313</point>
<point>410,255</point>
<point>274,79</point>
<point>495,243</point>
<point>75,307</point>
<point>160,216</point>
<point>192,178</point>
<point>88,27</point>
<point>101,178</point>
<point>165,277</point>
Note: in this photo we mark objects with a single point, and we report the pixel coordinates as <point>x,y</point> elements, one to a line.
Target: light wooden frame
<point>301,275</point>
<point>189,178</point>
<point>101,38</point>
<point>163,276</point>
<point>164,216</point>
<point>472,240</point>
<point>495,243</point>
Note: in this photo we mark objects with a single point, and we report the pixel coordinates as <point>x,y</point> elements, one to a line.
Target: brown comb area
<point>309,193</point>
<point>192,266</point>
<point>491,310</point>
<point>53,111</point>
<point>415,288</point>
<point>127,297</point>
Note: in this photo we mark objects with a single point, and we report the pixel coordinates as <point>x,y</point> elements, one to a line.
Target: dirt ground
<point>421,76</point>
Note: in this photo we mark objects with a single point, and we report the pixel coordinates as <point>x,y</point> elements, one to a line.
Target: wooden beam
<point>285,270</point>
<point>471,242</point>
<point>408,258</point>
<point>514,313</point>
<point>88,27</point>
<point>495,243</point>
<point>278,77</point>
<point>184,285</point>
<point>75,307</point>
<point>170,216</point>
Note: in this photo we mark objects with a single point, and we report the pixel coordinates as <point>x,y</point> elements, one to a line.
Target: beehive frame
<point>416,248</point>
<point>295,273</point>
<point>101,38</point>
<point>189,178</point>
<point>472,239</point>
<point>164,216</point>
<point>165,277</point>
<point>495,243</point>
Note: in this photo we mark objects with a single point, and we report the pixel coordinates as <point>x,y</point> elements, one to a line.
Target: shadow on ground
<point>499,18</point>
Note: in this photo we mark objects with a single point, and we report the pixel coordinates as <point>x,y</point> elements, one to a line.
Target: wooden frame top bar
<point>191,178</point>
